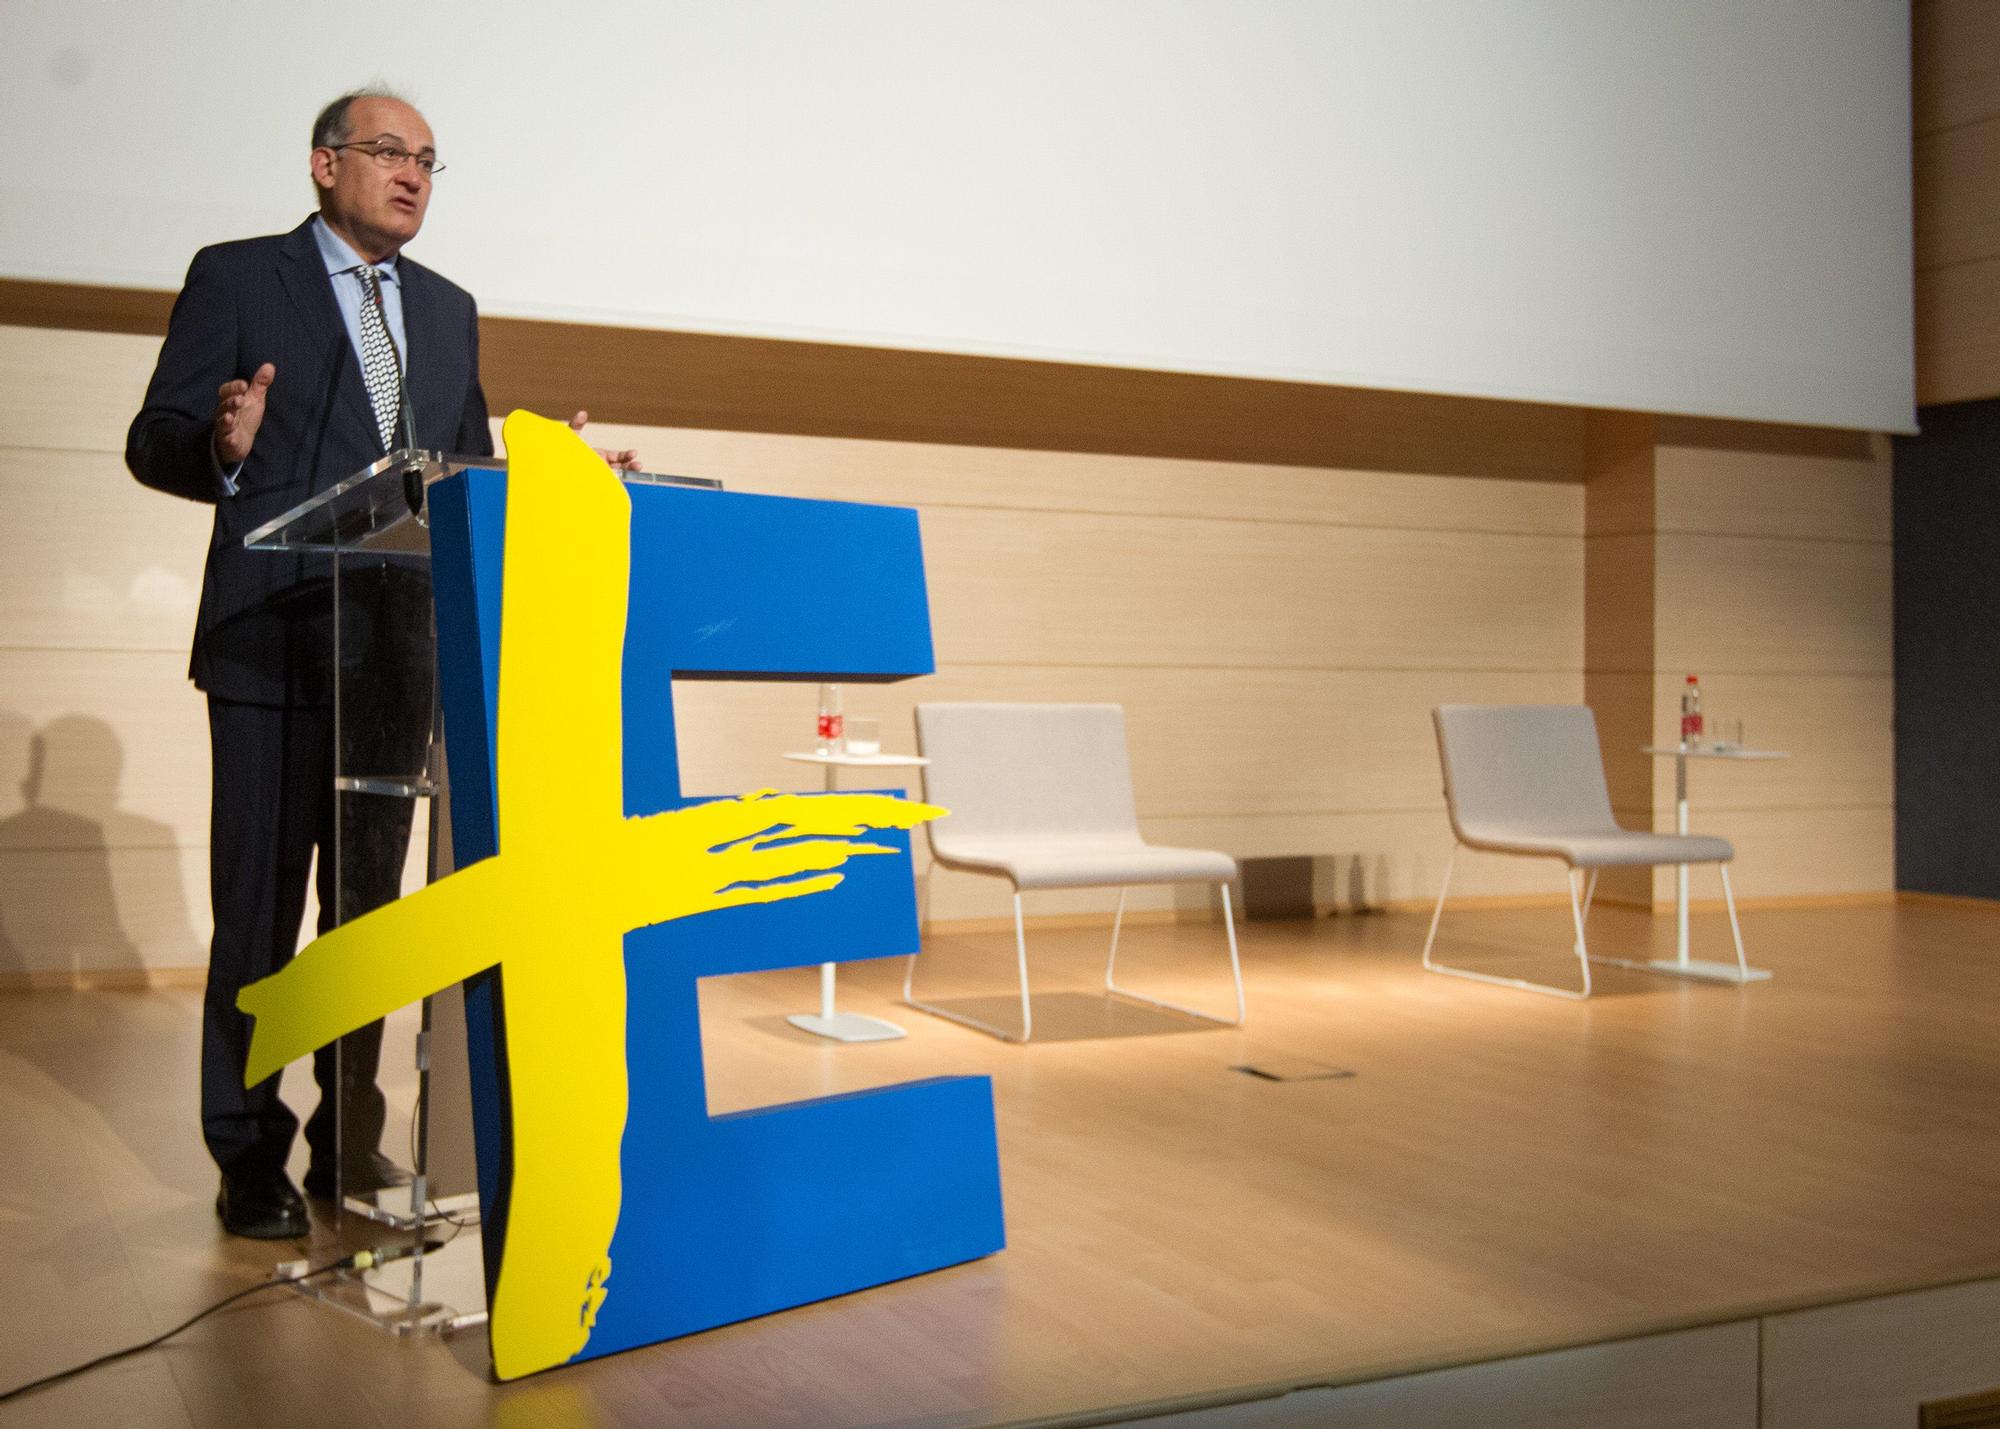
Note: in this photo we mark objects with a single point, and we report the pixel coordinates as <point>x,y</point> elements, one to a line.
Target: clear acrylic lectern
<point>367,544</point>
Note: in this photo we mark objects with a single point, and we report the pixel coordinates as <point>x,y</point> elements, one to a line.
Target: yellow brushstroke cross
<point>551,909</point>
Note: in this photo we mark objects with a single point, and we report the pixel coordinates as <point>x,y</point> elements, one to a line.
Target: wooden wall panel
<point>1261,763</point>
<point>1619,576</point>
<point>1836,728</point>
<point>1796,853</point>
<point>1723,434</point>
<point>101,749</point>
<point>1732,604</point>
<point>93,560</point>
<point>1955,83</point>
<point>1401,855</point>
<point>912,474</point>
<point>1809,495</point>
<point>1021,587</point>
<point>1623,703</point>
<point>1055,575</point>
<point>1337,765</point>
<point>102,910</point>
<point>832,390</point>
<point>1790,630</point>
<point>1784,853</point>
<point>705,380</point>
<point>1363,861</point>
<point>1277,634</point>
<point>1203,741</point>
<point>1957,178</point>
<point>1619,460</point>
<point>1620,570</point>
<point>1955,63</point>
<point>71,390</point>
<point>1958,332</point>
<point>103,743</point>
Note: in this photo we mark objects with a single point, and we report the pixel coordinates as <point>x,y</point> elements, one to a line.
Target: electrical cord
<point>360,1260</point>
<point>432,1209</point>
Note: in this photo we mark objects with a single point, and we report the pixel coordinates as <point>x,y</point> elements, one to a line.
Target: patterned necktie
<point>378,358</point>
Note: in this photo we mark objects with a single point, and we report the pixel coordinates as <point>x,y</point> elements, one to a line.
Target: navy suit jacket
<point>261,632</point>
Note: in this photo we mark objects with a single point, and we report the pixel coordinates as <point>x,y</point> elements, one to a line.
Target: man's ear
<point>322,168</point>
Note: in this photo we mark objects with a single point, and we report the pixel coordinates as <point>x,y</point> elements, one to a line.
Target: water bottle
<point>832,728</point>
<point>1691,712</point>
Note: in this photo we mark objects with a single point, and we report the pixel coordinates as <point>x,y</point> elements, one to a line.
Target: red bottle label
<point>830,726</point>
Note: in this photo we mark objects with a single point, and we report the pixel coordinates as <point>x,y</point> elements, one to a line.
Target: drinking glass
<point>864,735</point>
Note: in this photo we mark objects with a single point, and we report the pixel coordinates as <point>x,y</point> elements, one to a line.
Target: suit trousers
<point>273,806</point>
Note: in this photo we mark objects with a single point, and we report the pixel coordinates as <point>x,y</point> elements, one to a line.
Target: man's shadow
<point>89,888</point>
<point>83,883</point>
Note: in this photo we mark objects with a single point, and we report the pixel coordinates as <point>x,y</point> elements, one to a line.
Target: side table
<point>1680,965</point>
<point>847,1026</point>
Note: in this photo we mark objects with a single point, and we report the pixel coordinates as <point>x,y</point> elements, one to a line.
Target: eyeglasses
<point>392,156</point>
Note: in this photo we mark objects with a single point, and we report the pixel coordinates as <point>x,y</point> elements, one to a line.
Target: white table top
<point>861,761</point>
<point>1727,751</point>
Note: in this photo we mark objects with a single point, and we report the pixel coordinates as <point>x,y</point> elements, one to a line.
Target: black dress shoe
<point>262,1205</point>
<point>361,1176</point>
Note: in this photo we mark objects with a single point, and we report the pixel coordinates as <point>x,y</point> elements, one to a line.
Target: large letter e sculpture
<point>600,895</point>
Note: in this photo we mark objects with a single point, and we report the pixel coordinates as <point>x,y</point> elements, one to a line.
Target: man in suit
<point>289,363</point>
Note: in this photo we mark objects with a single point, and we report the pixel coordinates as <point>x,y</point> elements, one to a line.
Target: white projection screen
<point>1693,206</point>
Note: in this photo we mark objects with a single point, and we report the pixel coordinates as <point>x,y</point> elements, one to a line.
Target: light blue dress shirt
<point>342,263</point>
<point>342,271</point>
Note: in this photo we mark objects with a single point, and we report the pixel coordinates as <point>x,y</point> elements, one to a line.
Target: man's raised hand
<point>239,411</point>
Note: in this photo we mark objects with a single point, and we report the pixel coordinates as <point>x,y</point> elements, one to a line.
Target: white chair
<point>1529,779</point>
<point>1041,794</point>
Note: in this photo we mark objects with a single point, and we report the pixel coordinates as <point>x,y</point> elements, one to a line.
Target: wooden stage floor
<point>1502,1173</point>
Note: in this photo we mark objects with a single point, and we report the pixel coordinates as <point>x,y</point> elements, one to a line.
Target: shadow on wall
<point>84,885</point>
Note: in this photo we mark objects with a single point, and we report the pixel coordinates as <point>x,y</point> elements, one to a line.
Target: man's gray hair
<point>331,126</point>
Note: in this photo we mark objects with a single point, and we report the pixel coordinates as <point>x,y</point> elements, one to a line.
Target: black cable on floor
<point>432,1210</point>
<point>360,1260</point>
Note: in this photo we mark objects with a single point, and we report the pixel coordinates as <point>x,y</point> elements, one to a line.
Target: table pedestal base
<point>1698,969</point>
<point>847,1027</point>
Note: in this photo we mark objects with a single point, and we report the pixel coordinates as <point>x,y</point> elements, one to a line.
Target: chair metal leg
<point>1235,968</point>
<point>1699,969</point>
<point>1117,925</point>
<point>1117,922</point>
<point>1235,960</point>
<point>1450,864</point>
<point>1735,928</point>
<point>1027,1010</point>
<point>923,932</point>
<point>1021,956</point>
<point>1583,919</point>
<point>1573,877</point>
<point>1576,913</point>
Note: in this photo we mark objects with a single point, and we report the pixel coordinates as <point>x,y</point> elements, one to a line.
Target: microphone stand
<point>413,494</point>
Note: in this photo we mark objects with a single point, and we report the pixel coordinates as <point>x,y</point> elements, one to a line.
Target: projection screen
<point>1699,206</point>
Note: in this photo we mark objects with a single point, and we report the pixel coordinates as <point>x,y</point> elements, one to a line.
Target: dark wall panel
<point>1948,652</point>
